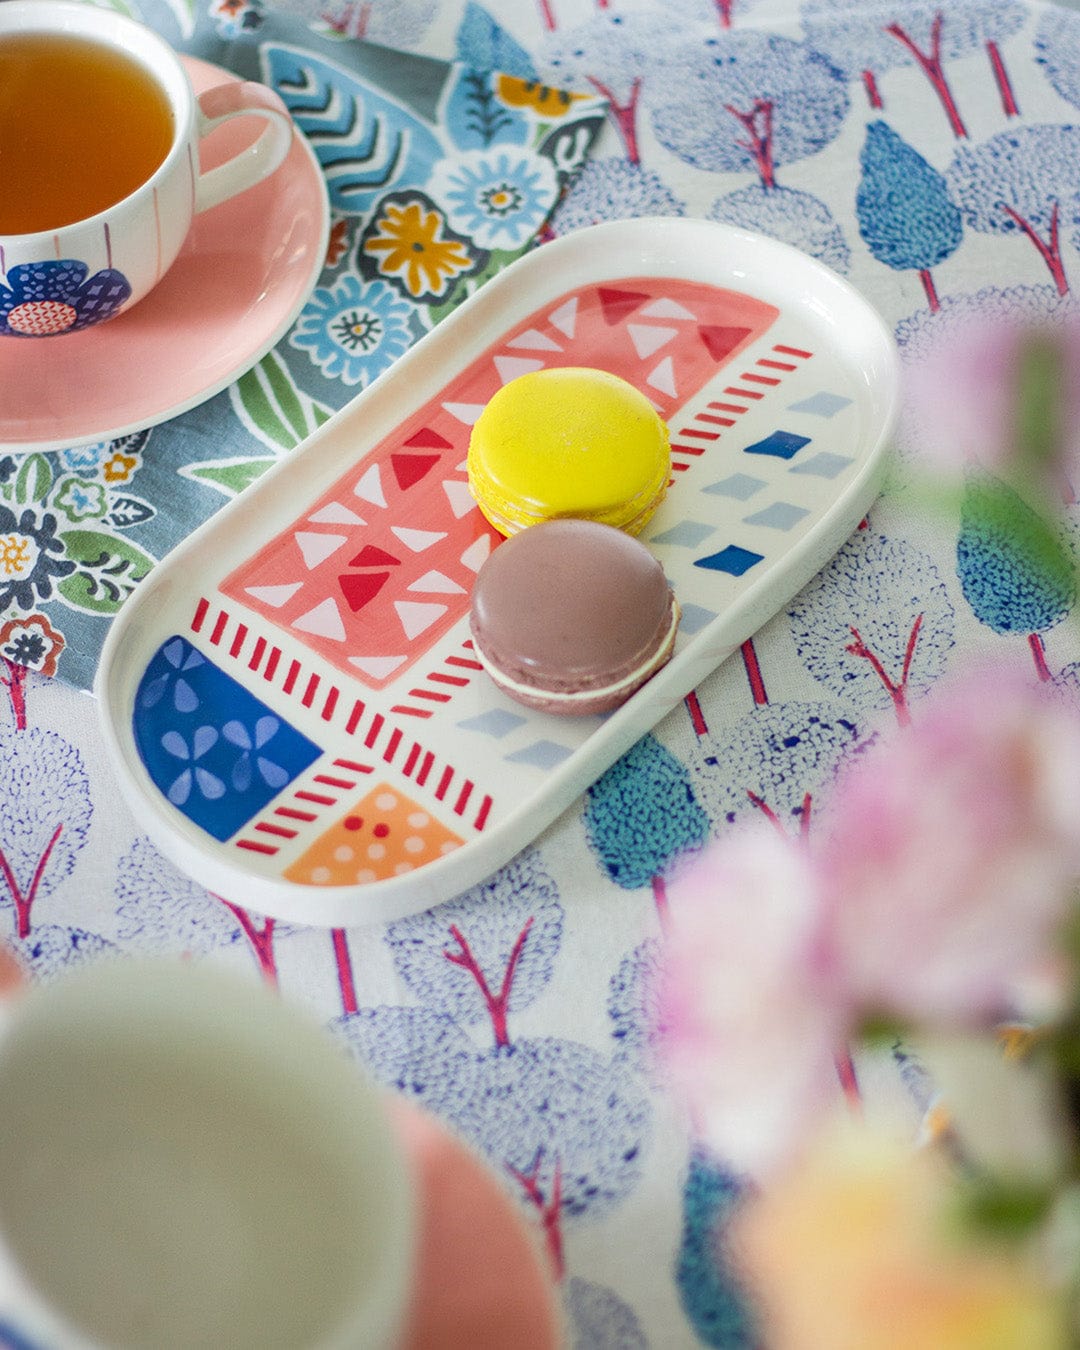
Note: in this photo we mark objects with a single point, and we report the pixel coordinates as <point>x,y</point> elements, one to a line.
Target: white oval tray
<point>291,700</point>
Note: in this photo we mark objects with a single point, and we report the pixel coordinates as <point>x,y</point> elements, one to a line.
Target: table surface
<point>537,1047</point>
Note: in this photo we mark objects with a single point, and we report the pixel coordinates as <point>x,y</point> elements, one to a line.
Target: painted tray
<point>291,699</point>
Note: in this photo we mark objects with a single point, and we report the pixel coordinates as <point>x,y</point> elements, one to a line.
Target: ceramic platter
<point>291,698</point>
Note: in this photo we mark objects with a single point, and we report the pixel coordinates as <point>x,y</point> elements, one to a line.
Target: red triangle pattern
<point>428,439</point>
<point>362,587</point>
<point>371,556</point>
<point>409,469</point>
<point>616,305</point>
<point>721,342</point>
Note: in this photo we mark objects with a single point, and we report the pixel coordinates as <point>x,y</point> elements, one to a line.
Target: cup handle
<point>250,166</point>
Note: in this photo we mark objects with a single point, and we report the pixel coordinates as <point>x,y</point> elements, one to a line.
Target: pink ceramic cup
<point>63,280</point>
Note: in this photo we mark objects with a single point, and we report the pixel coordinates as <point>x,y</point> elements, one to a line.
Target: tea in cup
<point>99,161</point>
<point>187,1161</point>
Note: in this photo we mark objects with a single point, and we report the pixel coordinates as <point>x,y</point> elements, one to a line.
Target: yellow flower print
<point>17,555</point>
<point>410,237</point>
<point>552,103</point>
<point>118,468</point>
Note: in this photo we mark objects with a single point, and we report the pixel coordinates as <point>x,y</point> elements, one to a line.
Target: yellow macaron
<point>569,442</point>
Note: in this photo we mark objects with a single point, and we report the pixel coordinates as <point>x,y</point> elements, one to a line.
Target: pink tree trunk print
<point>929,290</point>
<point>497,1004</point>
<point>23,900</point>
<point>930,64</point>
<point>1049,249</point>
<point>547,15</point>
<point>723,12</point>
<point>1001,79</point>
<point>549,1208</point>
<point>15,683</point>
<point>897,690</point>
<point>343,962</point>
<point>623,115</point>
<point>757,123</point>
<point>261,940</point>
<point>873,93</point>
<point>1038,655</point>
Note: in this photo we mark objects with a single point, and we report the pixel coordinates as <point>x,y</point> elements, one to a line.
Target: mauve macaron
<point>572,616</point>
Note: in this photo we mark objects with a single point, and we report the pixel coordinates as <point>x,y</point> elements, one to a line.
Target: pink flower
<point>951,851</point>
<point>750,1016</point>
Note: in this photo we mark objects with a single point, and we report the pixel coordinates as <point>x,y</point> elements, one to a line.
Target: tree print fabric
<point>926,151</point>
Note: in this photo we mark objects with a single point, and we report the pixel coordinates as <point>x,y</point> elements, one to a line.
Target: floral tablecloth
<point>931,154</point>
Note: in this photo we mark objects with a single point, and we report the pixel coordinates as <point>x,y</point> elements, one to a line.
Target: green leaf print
<point>107,570</point>
<point>230,476</point>
<point>34,480</point>
<point>270,405</point>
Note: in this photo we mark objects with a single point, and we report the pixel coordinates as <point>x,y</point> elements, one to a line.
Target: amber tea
<point>81,126</point>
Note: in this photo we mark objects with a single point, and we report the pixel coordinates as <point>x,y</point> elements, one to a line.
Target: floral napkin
<point>463,176</point>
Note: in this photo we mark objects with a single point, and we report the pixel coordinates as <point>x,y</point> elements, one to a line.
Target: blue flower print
<point>236,733</point>
<point>352,332</point>
<point>85,459</point>
<point>208,784</point>
<point>498,198</point>
<point>46,298</point>
<point>179,659</point>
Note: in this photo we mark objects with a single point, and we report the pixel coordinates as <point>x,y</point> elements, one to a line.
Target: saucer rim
<point>252,354</point>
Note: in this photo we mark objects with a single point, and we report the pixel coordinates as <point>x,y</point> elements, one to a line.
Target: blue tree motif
<point>489,951</point>
<point>714,1302</point>
<point>774,761</point>
<point>881,34</point>
<point>1025,181</point>
<point>1058,53</point>
<point>45,812</point>
<point>51,949</point>
<point>599,1319</point>
<point>751,101</point>
<point>483,44</point>
<point>860,648</point>
<point>614,189</point>
<point>905,215</point>
<point>641,815</point>
<point>634,1007</point>
<point>793,217</point>
<point>1016,573</point>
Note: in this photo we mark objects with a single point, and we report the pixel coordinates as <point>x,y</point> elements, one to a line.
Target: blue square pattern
<point>495,722</point>
<point>740,486</point>
<point>825,465</point>
<point>688,534</point>
<point>733,559</point>
<point>216,752</point>
<point>778,516</point>
<point>780,444</point>
<point>822,404</point>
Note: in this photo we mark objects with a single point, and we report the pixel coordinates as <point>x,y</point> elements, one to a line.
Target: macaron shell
<point>569,442</point>
<point>570,614</point>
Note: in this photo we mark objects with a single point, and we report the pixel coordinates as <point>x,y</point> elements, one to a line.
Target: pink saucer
<point>244,273</point>
<point>483,1280</point>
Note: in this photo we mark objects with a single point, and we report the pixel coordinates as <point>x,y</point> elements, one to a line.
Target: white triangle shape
<point>416,618</point>
<point>417,540</point>
<point>532,340</point>
<point>476,554</point>
<point>510,367</point>
<point>335,513</point>
<point>274,596</point>
<point>663,377</point>
<point>316,548</point>
<point>437,582</point>
<point>369,488</point>
<point>466,413</point>
<point>666,309</point>
<point>378,667</point>
<point>565,317</point>
<point>647,339</point>
<point>460,498</point>
<point>324,621</point>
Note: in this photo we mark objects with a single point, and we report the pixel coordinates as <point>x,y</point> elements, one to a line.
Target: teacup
<point>188,1161</point>
<point>95,205</point>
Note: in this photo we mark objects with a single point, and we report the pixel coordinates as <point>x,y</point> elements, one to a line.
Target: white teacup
<point>71,274</point>
<point>188,1162</point>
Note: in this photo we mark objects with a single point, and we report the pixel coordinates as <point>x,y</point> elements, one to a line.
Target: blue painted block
<point>732,559</point>
<point>781,444</point>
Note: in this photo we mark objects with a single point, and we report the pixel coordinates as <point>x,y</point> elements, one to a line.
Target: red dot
<point>353,822</point>
<point>381,830</point>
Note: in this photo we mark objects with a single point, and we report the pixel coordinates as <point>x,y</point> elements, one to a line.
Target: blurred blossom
<point>951,852</point>
<point>751,1011</point>
<point>858,1249</point>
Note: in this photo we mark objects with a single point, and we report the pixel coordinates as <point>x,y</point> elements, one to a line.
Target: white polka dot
<point>402,868</point>
<point>449,846</point>
<point>386,801</point>
<point>376,851</point>
<point>365,875</point>
<point>414,844</point>
<point>321,875</point>
<point>343,853</point>
<point>419,819</point>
